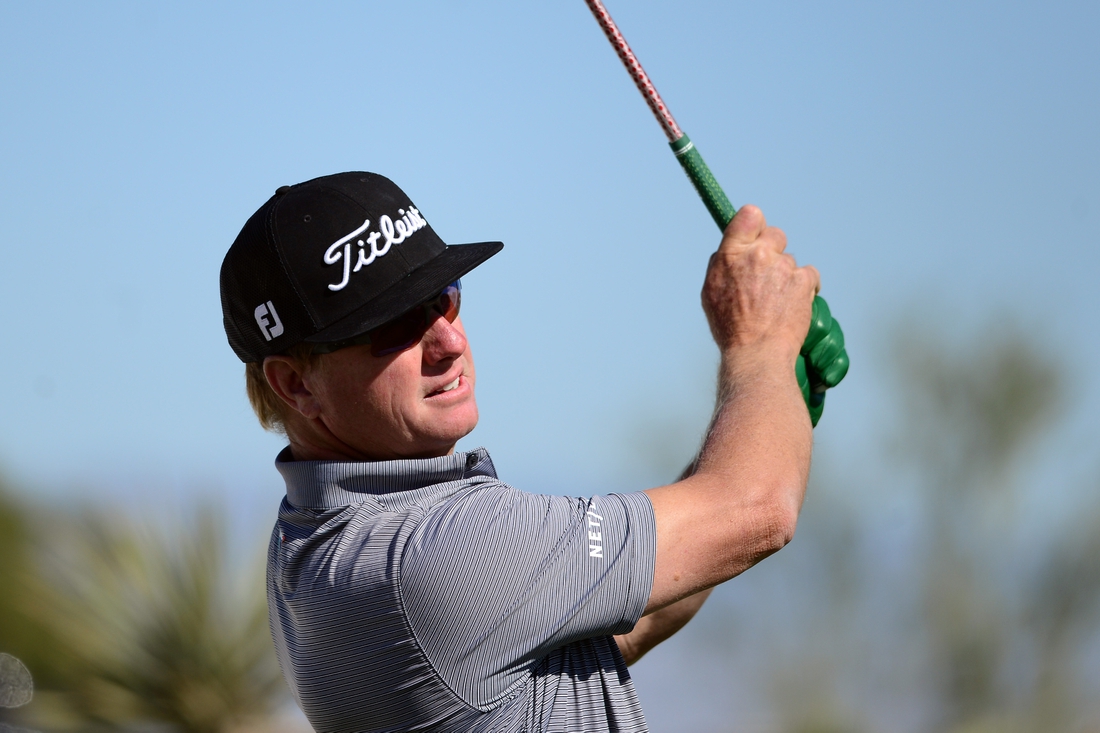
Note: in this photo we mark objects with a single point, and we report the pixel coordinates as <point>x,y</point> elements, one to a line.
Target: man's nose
<point>444,340</point>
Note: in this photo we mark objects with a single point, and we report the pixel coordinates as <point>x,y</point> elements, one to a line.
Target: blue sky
<point>937,159</point>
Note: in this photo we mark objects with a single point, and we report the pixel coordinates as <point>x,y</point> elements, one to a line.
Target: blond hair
<point>270,409</point>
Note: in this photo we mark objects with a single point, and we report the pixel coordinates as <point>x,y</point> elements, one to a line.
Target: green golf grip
<point>720,208</point>
<point>825,341</point>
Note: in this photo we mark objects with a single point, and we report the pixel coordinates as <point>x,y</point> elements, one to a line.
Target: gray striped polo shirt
<point>427,595</point>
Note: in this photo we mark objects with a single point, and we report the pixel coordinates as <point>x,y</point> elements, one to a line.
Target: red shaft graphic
<point>630,61</point>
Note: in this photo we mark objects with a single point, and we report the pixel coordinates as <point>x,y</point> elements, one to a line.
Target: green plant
<point>153,626</point>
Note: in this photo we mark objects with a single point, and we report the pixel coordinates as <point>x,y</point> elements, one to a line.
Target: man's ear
<point>285,376</point>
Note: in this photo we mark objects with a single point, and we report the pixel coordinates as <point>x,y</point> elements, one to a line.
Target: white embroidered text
<point>390,232</point>
<point>595,534</point>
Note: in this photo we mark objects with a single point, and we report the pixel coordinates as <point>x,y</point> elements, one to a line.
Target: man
<point>409,588</point>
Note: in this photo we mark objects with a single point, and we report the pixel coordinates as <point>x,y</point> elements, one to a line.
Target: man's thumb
<point>745,228</point>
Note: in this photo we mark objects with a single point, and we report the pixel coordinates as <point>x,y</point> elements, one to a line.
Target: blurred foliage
<point>972,418</point>
<point>970,414</point>
<point>20,636</point>
<point>136,627</point>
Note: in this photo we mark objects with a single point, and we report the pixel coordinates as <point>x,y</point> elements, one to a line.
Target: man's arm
<point>658,626</point>
<point>654,628</point>
<point>742,502</point>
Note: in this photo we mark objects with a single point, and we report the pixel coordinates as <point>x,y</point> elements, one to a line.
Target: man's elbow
<point>765,530</point>
<point>785,524</point>
<point>780,518</point>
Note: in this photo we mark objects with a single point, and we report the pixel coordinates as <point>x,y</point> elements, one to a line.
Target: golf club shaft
<point>720,208</point>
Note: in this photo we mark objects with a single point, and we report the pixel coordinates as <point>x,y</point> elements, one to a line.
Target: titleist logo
<point>390,232</point>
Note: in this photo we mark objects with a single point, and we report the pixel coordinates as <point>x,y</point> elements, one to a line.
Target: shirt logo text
<point>595,534</point>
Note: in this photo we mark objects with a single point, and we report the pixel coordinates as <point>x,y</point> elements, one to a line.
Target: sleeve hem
<point>643,527</point>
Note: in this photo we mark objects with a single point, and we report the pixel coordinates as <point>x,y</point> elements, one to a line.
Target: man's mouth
<point>448,387</point>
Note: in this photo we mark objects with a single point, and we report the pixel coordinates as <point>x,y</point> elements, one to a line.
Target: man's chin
<point>446,430</point>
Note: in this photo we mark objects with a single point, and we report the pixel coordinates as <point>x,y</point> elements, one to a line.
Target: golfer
<point>409,587</point>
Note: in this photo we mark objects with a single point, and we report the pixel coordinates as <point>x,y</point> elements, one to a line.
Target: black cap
<point>331,258</point>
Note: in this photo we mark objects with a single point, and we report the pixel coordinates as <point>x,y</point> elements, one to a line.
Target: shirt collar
<point>331,484</point>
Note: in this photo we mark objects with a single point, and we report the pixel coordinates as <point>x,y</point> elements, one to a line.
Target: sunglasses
<point>407,329</point>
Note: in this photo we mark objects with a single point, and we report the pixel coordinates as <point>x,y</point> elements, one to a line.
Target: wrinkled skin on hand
<point>755,296</point>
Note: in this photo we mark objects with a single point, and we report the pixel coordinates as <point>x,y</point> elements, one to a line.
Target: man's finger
<point>777,238</point>
<point>744,229</point>
<point>814,279</point>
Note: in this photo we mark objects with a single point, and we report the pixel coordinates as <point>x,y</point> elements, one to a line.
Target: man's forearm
<point>651,630</point>
<point>742,501</point>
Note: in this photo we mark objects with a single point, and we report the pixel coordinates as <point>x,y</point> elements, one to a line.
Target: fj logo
<point>269,329</point>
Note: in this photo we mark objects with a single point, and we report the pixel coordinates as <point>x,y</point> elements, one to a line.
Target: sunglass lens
<point>408,328</point>
<point>449,302</point>
<point>399,334</point>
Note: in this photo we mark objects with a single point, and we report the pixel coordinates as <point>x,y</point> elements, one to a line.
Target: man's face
<point>413,404</point>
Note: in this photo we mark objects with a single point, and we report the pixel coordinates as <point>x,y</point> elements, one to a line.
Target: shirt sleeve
<point>496,579</point>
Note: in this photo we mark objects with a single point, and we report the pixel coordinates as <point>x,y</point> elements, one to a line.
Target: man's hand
<point>742,503</point>
<point>755,297</point>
